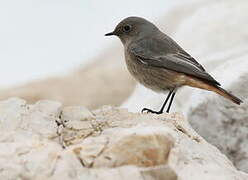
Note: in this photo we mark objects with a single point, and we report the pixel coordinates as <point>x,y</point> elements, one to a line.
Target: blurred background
<point>47,45</point>
<point>41,38</point>
<point>56,49</point>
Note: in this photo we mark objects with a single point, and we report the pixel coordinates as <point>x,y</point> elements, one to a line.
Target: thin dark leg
<point>162,108</point>
<point>171,100</point>
<point>165,102</point>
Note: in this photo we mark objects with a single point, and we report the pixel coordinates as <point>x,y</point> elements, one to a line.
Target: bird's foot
<point>151,111</point>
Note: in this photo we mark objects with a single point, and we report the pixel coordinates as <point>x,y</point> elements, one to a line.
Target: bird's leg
<point>162,108</point>
<point>171,100</point>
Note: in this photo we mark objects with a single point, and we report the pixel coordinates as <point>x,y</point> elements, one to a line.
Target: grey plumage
<point>159,63</point>
<point>170,59</point>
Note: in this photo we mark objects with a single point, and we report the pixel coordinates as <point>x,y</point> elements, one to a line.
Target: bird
<point>157,62</point>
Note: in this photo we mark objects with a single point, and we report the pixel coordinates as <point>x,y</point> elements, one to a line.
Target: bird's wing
<point>185,56</point>
<point>179,62</point>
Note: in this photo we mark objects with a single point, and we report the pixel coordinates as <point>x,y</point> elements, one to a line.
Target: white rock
<point>76,113</point>
<point>111,144</point>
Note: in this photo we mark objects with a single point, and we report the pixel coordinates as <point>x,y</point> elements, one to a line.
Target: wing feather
<point>178,62</point>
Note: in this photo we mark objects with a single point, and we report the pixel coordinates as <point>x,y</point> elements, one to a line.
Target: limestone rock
<point>45,141</point>
<point>223,50</point>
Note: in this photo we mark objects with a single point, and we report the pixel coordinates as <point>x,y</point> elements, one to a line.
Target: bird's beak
<point>110,34</point>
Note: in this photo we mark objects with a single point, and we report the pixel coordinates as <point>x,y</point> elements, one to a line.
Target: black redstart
<point>159,63</point>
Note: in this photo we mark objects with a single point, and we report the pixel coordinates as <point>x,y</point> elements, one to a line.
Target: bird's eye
<point>126,28</point>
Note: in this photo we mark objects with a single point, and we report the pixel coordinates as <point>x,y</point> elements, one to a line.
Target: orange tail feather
<point>194,82</point>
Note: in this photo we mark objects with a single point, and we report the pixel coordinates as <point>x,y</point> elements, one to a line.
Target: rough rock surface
<point>223,50</point>
<point>46,141</point>
<point>224,124</point>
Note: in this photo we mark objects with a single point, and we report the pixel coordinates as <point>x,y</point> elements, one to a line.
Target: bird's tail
<point>227,95</point>
<point>195,82</point>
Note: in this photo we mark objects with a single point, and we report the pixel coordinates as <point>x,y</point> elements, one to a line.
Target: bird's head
<point>133,28</point>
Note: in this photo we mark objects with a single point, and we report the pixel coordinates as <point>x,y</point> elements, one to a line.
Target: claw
<point>151,111</point>
<point>145,109</point>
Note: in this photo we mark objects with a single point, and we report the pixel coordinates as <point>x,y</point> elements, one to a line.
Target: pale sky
<point>40,38</point>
